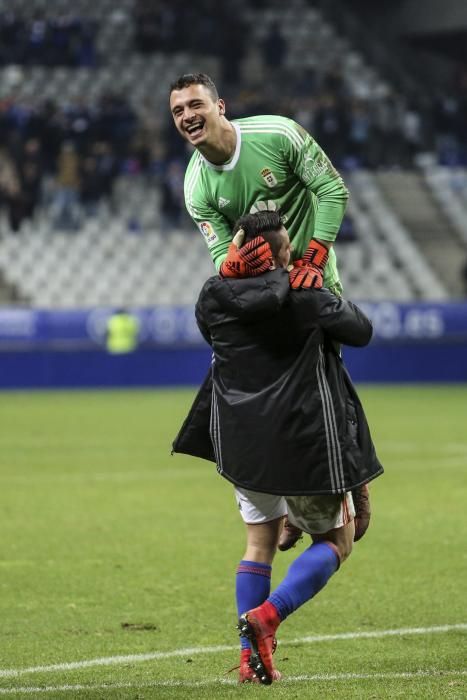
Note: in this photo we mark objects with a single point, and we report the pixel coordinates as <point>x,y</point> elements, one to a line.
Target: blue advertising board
<point>67,348</point>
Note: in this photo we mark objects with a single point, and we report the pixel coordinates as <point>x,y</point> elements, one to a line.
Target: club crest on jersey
<point>268,177</point>
<point>210,236</point>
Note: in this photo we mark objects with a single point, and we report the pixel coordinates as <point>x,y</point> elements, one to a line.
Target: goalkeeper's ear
<point>239,238</point>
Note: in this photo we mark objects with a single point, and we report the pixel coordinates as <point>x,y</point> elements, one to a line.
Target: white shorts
<point>312,514</point>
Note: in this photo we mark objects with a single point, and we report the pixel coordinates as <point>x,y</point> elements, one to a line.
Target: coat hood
<point>251,297</point>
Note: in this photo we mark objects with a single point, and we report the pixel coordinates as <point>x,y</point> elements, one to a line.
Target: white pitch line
<point>191,651</point>
<point>323,677</point>
<point>378,633</point>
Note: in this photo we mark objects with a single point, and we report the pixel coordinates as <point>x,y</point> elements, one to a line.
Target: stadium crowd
<point>66,155</point>
<point>61,40</point>
<point>77,148</point>
<point>160,25</point>
<point>80,148</point>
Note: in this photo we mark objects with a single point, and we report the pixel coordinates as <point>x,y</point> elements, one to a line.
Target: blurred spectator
<point>303,112</point>
<point>411,128</point>
<point>78,123</point>
<point>331,127</point>
<point>334,81</point>
<point>450,129</point>
<point>172,199</point>
<point>233,50</point>
<point>122,332</point>
<point>274,48</point>
<point>114,122</point>
<point>148,144</point>
<point>253,74</point>
<point>11,33</point>
<point>91,191</point>
<point>303,83</point>
<point>30,168</point>
<point>10,191</point>
<point>65,208</point>
<point>106,167</point>
<point>155,26</point>
<point>49,129</point>
<point>387,118</point>
<point>359,134</point>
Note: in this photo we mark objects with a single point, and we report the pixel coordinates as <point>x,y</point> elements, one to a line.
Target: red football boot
<point>259,626</point>
<point>245,673</point>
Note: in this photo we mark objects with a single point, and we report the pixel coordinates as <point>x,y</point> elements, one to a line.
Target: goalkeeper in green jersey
<point>253,164</point>
<point>247,165</point>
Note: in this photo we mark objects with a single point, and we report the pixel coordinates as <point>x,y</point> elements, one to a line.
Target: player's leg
<point>329,519</point>
<point>340,539</point>
<point>262,515</point>
<point>262,538</point>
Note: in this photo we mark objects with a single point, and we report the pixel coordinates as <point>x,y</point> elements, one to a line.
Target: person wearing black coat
<point>280,417</point>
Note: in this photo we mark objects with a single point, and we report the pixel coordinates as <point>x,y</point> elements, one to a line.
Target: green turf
<point>110,546</point>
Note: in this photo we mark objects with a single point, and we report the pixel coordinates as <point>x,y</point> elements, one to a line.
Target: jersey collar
<point>234,160</point>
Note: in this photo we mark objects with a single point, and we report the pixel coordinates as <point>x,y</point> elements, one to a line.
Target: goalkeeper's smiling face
<point>198,117</point>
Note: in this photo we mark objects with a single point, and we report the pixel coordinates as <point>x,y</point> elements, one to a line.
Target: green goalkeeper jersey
<point>276,165</point>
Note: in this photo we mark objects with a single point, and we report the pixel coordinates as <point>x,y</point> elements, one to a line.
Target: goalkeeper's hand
<point>252,259</point>
<point>304,276</point>
<point>308,271</point>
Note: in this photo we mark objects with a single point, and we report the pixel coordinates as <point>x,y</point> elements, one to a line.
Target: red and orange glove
<point>307,272</point>
<point>252,259</point>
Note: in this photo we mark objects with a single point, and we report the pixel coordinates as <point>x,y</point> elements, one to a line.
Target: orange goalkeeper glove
<point>252,259</point>
<point>308,271</point>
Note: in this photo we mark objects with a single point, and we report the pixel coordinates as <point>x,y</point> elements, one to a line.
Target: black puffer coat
<point>278,412</point>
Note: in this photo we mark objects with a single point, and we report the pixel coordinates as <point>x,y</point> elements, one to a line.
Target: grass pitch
<point>117,559</point>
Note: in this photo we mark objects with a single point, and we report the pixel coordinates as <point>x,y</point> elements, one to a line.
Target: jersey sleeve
<point>312,166</point>
<point>216,231</point>
<point>214,227</point>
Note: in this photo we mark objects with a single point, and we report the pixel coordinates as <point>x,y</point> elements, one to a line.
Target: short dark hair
<point>263,223</point>
<point>188,79</point>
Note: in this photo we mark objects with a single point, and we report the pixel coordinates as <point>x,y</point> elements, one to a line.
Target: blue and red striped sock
<point>306,576</point>
<point>252,587</point>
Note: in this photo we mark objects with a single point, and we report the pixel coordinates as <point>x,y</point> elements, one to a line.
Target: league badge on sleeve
<point>268,177</point>
<point>210,236</point>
